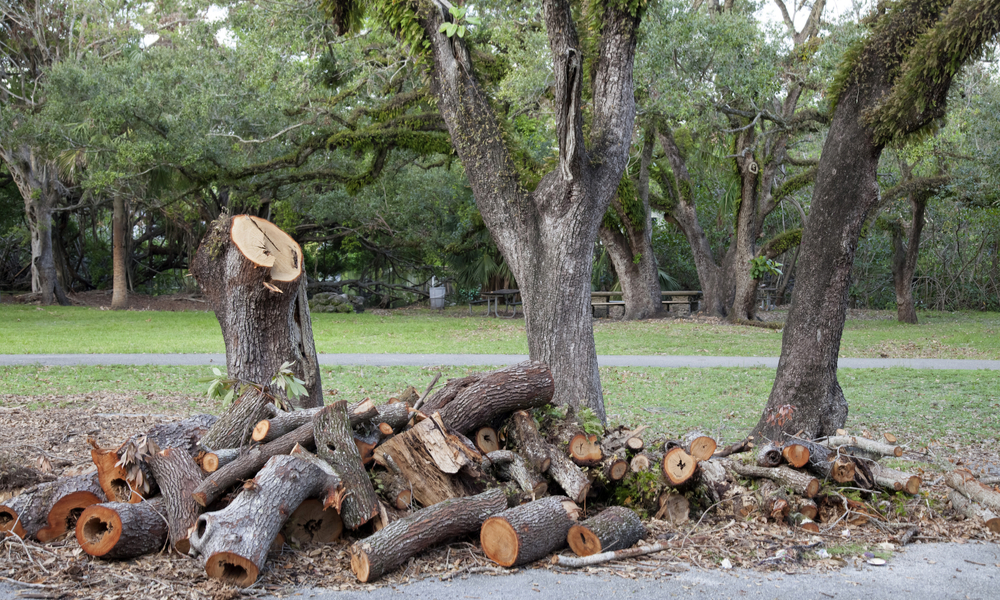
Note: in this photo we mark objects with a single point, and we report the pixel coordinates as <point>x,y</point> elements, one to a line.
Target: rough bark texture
<point>524,385</point>
<point>335,444</point>
<point>119,283</point>
<point>235,540</point>
<point>178,475</point>
<point>547,236</point>
<point>235,427</point>
<point>122,530</point>
<point>904,260</point>
<point>47,510</point>
<point>864,446</point>
<point>523,435</point>
<point>972,510</point>
<point>614,528</point>
<point>801,483</point>
<point>285,422</point>
<point>896,481</point>
<point>561,469</point>
<point>528,532</point>
<point>394,544</point>
<point>261,328</point>
<point>508,466</point>
<point>452,388</point>
<point>395,488</point>
<point>967,484</point>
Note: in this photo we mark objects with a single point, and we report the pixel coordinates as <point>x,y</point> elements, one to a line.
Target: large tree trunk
<point>38,182</point>
<point>547,236</point>
<point>806,395</point>
<point>904,260</point>
<point>742,250</point>
<point>119,291</point>
<point>263,312</point>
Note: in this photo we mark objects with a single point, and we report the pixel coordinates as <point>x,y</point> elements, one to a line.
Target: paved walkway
<point>430,360</point>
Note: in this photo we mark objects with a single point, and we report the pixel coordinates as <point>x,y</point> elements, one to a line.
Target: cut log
<point>863,446</point>
<point>744,445</point>
<point>974,511</point>
<point>808,509</point>
<point>361,414</point>
<point>246,465</point>
<point>451,389</point>
<point>796,455</point>
<point>213,461</point>
<point>768,456</point>
<point>393,545</point>
<point>614,468</point>
<point>524,437</point>
<point>121,530</point>
<point>804,522</point>
<point>521,386</point>
<point>178,476</point>
<point>773,501</point>
<point>47,510</point>
<point>585,450</point>
<point>596,559</point>
<point>827,463</point>
<point>395,488</point>
<point>701,447</point>
<point>614,528</point>
<point>486,440</point>
<point>236,425</point>
<point>674,508</point>
<point>528,532</point>
<point>508,466</point>
<point>801,483</point>
<point>313,524</point>
<point>561,469</point>
<point>713,476</point>
<point>251,273</point>
<point>387,515</point>
<point>678,467</point>
<point>335,445</point>
<point>235,540</point>
<point>640,463</point>
<point>896,481</point>
<point>965,482</point>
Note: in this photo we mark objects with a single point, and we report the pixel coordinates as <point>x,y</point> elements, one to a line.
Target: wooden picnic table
<point>508,296</point>
<point>604,298</point>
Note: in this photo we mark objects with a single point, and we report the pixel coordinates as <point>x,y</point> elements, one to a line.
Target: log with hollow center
<point>122,530</point>
<point>47,510</point>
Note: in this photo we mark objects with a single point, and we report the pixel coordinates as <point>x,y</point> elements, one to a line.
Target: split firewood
<point>235,540</point>
<point>393,545</point>
<point>796,455</point>
<point>486,440</point>
<point>562,470</point>
<point>584,449</point>
<point>521,386</point>
<point>47,510</point>
<point>285,422</point>
<point>974,511</point>
<point>528,532</point>
<point>313,524</point>
<point>124,472</point>
<point>863,446</point>
<point>122,530</point>
<point>678,467</point>
<point>236,425</point>
<point>614,528</point>
<point>251,273</point>
<point>213,486</point>
<point>768,456</point>
<point>335,445</point>
<point>801,483</point>
<point>395,488</point>
<point>700,446</point>
<point>211,462</point>
<point>452,388</point>
<point>596,559</point>
<point>965,482</point>
<point>178,476</point>
<point>508,466</point>
<point>896,481</point>
<point>674,508</point>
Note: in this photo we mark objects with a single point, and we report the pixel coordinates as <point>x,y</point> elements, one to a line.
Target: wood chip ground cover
<point>55,440</point>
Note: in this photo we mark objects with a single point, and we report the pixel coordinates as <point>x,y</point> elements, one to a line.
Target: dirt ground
<point>101,299</point>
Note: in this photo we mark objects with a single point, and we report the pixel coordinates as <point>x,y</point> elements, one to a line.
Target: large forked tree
<point>546,235</point>
<point>892,85</point>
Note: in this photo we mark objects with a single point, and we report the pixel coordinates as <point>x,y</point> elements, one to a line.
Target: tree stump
<point>251,273</point>
<point>47,510</point>
<point>335,444</point>
<point>235,540</point>
<point>528,532</point>
<point>615,528</point>
<point>394,544</point>
<point>122,530</point>
<point>178,476</point>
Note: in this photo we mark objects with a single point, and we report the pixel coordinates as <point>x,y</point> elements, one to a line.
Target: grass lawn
<point>69,330</point>
<point>921,407</point>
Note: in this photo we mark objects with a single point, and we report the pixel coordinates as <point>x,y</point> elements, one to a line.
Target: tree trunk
<point>904,260</point>
<point>263,312</point>
<point>122,530</point>
<point>48,510</point>
<point>178,476</point>
<point>528,532</point>
<point>119,293</point>
<point>614,528</point>
<point>743,245</point>
<point>393,545</point>
<point>547,236</point>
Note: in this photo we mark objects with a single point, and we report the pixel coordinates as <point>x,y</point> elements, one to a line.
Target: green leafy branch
<point>287,382</point>
<point>460,22</point>
<point>761,266</point>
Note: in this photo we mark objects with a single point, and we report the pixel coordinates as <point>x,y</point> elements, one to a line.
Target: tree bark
<point>49,509</point>
<point>528,532</point>
<point>178,476</point>
<point>801,483</point>
<point>560,468</point>
<point>263,312</point>
<point>119,281</point>
<point>285,422</point>
<point>972,510</point>
<point>547,236</point>
<point>122,530</point>
<point>335,444</point>
<point>384,551</point>
<point>614,528</point>
<point>521,386</point>
<point>966,483</point>
<point>904,259</point>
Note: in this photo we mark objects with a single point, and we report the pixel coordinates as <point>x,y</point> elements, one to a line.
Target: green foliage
<point>761,266</point>
<point>638,491</point>
<point>286,381</point>
<point>400,18</point>
<point>460,21</point>
<point>590,422</point>
<point>221,387</point>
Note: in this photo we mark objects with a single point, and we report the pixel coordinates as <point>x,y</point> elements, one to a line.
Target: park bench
<point>603,299</point>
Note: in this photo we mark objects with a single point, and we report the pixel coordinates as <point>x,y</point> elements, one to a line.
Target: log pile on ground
<point>486,457</point>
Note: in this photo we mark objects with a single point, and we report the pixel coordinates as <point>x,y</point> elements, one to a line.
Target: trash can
<point>437,297</point>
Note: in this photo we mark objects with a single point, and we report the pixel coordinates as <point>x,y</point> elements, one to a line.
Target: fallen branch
<point>596,559</point>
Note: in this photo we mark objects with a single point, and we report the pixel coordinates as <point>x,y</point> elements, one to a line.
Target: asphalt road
<point>428,360</point>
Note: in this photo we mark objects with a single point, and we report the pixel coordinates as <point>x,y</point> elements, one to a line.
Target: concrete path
<point>429,360</point>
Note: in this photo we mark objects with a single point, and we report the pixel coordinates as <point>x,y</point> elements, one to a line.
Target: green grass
<point>71,330</point>
<point>921,407</point>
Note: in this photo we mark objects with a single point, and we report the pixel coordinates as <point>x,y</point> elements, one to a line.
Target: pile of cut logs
<point>418,471</point>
